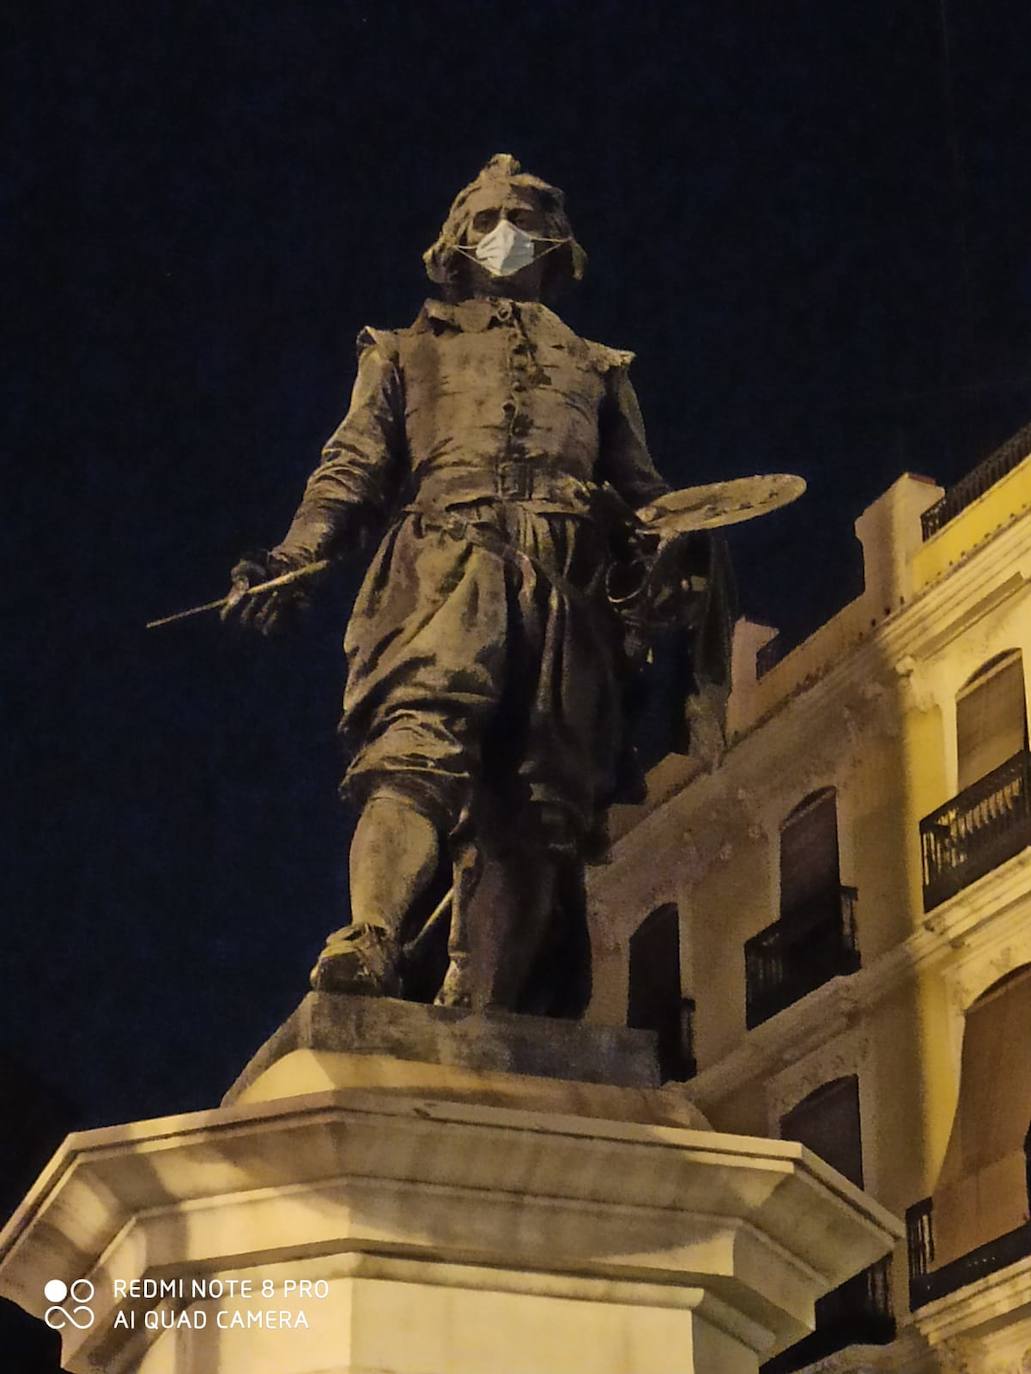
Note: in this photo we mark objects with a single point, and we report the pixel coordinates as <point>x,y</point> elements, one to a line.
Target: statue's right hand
<point>263,611</point>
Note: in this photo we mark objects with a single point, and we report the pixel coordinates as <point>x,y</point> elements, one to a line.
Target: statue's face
<point>489,204</point>
<point>484,209</point>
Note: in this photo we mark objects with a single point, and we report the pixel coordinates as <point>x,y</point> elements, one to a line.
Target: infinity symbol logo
<point>81,1316</point>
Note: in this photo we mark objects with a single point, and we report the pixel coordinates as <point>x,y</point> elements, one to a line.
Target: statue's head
<point>506,232</point>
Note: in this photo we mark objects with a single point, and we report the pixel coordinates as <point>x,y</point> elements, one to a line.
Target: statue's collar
<point>477,313</point>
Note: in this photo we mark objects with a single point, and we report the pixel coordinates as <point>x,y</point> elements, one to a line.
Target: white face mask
<point>507,249</point>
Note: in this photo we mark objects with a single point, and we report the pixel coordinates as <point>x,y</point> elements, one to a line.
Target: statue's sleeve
<point>623,457</point>
<point>360,461</point>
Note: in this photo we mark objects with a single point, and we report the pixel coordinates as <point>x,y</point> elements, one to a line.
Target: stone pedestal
<point>326,1026</point>
<point>417,1218</point>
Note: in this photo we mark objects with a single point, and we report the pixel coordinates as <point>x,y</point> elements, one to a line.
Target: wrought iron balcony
<point>986,824</point>
<point>927,1284</point>
<point>859,1312</point>
<point>976,483</point>
<point>799,953</point>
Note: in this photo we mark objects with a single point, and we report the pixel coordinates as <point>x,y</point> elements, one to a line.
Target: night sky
<point>813,229</point>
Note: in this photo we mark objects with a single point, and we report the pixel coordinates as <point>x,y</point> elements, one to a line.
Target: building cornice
<point>992,574</point>
<point>908,1354</point>
<point>978,1304</point>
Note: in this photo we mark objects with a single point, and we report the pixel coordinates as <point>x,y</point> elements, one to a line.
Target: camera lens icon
<point>78,1313</point>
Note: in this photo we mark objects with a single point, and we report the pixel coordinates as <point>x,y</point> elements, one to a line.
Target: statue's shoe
<point>361,960</point>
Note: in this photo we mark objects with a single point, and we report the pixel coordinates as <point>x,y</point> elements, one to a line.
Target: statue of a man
<point>495,454</point>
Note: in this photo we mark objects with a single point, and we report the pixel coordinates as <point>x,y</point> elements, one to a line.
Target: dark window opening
<point>655,1001</point>
<point>859,1311</point>
<point>827,1122</point>
<point>815,938</point>
<point>809,854</point>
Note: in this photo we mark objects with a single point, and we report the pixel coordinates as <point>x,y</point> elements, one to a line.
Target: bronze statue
<point>498,459</point>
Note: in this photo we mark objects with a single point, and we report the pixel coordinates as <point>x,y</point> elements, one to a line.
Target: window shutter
<point>809,854</point>
<point>827,1122</point>
<point>981,1192</point>
<point>990,719</point>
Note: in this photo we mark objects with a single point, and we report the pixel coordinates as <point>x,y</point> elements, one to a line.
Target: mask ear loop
<point>470,253</point>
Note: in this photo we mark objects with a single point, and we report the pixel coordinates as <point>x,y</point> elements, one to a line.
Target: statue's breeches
<point>467,668</point>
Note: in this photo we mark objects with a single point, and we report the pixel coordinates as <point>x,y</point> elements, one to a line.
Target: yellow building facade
<point>831,931</point>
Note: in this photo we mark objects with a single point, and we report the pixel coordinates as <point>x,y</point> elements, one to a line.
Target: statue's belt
<point>484,537</point>
<point>536,480</point>
<point>635,611</point>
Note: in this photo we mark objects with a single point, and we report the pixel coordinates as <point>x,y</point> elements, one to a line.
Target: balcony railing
<point>986,824</point>
<point>799,953</point>
<point>926,1284</point>
<point>976,483</point>
<point>919,1241</point>
<point>859,1312</point>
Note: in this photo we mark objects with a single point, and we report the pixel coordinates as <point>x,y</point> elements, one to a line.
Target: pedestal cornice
<point>763,1227</point>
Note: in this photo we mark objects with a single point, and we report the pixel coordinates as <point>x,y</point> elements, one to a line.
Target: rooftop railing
<point>770,655</point>
<point>986,824</point>
<point>976,483</point>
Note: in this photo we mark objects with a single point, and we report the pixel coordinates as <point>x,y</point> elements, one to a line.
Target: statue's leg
<point>394,856</point>
<point>542,948</point>
<point>463,981</point>
<point>504,900</point>
<point>523,915</point>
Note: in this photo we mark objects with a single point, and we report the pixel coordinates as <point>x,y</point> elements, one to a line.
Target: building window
<point>858,1312</point>
<point>982,1188</point>
<point>977,1217</point>
<point>989,820</point>
<point>655,1001</point>
<point>815,938</point>
<point>809,854</point>
<point>991,719</point>
<point>827,1122</point>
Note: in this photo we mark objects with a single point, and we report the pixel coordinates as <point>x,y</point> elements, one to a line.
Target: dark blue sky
<point>820,273</point>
